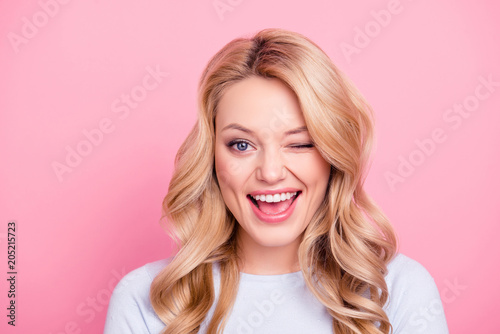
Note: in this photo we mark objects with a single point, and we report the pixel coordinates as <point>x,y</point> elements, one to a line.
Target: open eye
<point>240,145</point>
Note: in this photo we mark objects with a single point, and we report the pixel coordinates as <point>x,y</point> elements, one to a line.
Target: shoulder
<point>129,309</point>
<point>414,304</point>
<point>403,270</point>
<point>138,281</point>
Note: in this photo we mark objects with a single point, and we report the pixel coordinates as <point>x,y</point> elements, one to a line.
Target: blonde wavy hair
<point>348,243</point>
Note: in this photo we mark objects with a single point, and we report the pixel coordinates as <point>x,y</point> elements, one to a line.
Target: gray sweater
<point>282,303</point>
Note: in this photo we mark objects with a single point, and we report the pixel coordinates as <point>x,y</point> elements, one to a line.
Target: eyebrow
<point>236,126</point>
<point>239,127</point>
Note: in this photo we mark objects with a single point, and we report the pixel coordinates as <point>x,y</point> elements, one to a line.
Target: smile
<point>273,208</point>
<point>274,198</point>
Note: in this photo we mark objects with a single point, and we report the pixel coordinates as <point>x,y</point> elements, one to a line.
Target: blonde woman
<point>275,231</point>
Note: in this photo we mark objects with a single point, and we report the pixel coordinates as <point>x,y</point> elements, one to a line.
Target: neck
<point>259,259</point>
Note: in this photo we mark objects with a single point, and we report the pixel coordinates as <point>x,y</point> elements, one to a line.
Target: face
<point>271,176</point>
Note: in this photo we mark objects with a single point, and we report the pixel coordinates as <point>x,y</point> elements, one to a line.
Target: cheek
<point>314,173</point>
<point>323,169</point>
<point>228,169</point>
<point>221,169</point>
<point>313,170</point>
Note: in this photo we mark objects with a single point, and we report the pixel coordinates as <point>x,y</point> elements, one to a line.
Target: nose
<point>271,168</point>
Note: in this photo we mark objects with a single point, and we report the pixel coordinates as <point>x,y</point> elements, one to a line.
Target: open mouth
<point>274,204</point>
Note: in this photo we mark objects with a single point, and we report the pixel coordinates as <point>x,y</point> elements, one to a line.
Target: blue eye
<point>239,145</point>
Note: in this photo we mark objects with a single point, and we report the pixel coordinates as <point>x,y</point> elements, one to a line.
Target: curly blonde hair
<point>348,243</point>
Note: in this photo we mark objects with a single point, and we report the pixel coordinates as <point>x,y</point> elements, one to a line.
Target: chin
<point>279,235</point>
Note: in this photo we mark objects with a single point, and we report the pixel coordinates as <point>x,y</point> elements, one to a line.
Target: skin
<point>262,144</point>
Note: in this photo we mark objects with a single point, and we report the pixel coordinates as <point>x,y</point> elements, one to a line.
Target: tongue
<point>275,208</point>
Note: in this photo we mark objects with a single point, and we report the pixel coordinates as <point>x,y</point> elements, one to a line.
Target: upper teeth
<point>274,198</point>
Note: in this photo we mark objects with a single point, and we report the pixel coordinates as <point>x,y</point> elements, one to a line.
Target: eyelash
<point>239,141</point>
<point>303,146</point>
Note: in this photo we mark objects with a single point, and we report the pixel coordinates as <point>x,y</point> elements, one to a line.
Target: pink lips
<point>274,218</point>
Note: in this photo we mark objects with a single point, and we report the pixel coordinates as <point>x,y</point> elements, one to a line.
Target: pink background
<point>78,233</point>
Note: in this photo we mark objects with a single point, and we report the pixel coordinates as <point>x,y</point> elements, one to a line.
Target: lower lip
<point>273,219</point>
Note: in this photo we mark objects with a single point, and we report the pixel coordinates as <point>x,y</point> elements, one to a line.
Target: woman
<point>276,233</point>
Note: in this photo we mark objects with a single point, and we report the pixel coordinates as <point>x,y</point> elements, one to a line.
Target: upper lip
<point>273,191</point>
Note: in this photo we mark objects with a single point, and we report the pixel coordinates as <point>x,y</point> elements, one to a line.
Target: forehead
<point>259,103</point>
